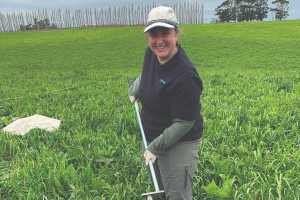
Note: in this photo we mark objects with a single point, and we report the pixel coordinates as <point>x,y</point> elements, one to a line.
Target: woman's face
<point>162,41</point>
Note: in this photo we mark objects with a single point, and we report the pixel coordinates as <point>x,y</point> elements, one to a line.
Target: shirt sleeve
<point>185,99</point>
<point>171,135</point>
<point>134,88</point>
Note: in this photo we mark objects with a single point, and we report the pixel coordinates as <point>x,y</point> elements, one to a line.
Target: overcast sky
<point>8,6</point>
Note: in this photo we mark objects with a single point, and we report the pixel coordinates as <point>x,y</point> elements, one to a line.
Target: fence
<point>187,13</point>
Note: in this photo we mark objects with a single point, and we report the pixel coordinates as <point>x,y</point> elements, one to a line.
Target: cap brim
<point>158,24</point>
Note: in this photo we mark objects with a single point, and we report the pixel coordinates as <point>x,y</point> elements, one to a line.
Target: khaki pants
<point>175,169</point>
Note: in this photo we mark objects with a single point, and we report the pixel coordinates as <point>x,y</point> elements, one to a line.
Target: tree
<point>38,25</point>
<point>262,9</point>
<point>281,9</point>
<point>225,11</point>
<point>246,10</point>
<point>242,10</point>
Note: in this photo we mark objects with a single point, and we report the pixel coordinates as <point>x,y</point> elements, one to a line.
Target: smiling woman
<point>162,33</point>
<point>163,42</point>
<point>169,90</point>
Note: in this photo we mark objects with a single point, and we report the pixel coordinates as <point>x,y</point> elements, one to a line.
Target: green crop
<point>251,105</point>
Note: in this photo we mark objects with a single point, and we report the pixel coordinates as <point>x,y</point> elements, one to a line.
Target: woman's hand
<point>132,99</point>
<point>149,156</point>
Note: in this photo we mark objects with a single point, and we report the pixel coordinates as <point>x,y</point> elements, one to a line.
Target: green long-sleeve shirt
<point>171,134</point>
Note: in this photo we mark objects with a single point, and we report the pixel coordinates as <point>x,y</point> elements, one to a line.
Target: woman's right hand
<point>132,99</point>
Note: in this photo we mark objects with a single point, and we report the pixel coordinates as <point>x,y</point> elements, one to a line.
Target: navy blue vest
<point>170,91</point>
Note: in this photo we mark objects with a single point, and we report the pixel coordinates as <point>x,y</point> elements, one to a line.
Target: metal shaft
<point>145,145</point>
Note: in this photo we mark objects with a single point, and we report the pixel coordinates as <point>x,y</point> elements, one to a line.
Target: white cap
<point>161,16</point>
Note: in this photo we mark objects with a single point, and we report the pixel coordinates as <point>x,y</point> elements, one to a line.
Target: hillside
<point>251,106</point>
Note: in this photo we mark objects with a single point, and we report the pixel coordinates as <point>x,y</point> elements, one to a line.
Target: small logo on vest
<point>162,81</point>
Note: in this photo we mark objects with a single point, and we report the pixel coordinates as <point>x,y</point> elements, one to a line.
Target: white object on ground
<point>24,125</point>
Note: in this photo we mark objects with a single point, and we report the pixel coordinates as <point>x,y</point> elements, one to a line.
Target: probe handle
<point>130,81</point>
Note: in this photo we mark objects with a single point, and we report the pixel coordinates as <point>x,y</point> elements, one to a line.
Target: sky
<point>9,6</point>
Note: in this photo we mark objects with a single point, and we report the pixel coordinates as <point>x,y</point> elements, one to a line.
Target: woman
<point>169,90</point>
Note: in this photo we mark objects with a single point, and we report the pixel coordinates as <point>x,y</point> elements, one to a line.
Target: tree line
<point>250,10</point>
<point>187,13</point>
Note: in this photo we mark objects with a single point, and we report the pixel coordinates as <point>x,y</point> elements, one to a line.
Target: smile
<point>161,47</point>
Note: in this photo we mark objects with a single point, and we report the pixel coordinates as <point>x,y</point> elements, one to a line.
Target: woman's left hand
<point>149,156</point>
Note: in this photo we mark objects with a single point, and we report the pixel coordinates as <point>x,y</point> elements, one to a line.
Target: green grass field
<point>251,105</point>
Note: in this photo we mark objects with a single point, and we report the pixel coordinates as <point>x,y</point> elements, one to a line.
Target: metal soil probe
<point>157,192</point>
